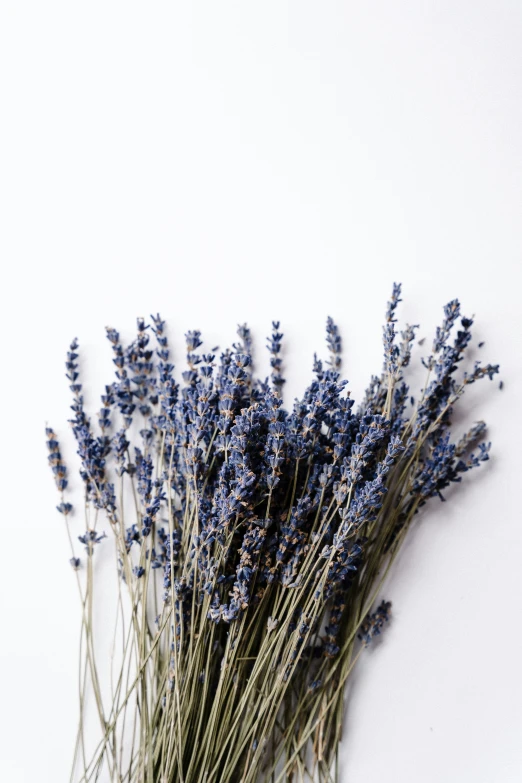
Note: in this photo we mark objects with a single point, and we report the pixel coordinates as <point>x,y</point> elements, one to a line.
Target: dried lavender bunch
<point>251,543</point>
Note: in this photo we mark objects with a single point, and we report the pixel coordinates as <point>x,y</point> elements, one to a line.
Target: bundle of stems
<point>250,545</point>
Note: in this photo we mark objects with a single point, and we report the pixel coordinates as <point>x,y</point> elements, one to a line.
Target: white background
<point>222,162</point>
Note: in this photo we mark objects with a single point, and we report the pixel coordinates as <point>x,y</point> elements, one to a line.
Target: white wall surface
<point>231,161</point>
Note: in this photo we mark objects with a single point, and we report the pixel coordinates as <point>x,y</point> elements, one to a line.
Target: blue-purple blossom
<point>276,361</point>
<point>333,340</point>
<point>90,538</point>
<point>55,460</point>
<point>374,623</point>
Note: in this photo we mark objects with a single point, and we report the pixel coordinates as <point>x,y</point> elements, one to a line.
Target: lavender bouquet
<point>250,545</point>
